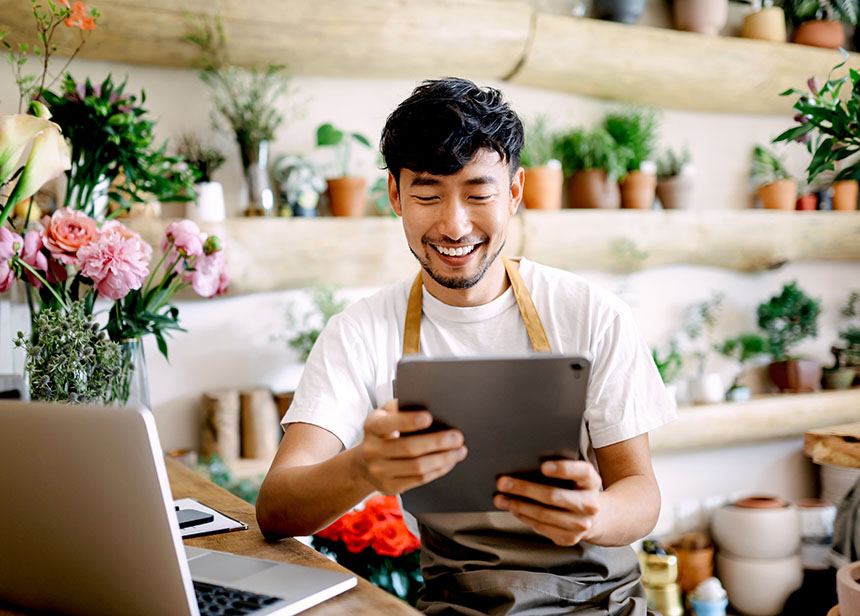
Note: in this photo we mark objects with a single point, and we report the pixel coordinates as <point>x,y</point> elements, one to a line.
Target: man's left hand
<point>565,516</point>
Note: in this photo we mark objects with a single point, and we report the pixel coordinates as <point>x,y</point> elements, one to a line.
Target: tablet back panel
<point>513,411</point>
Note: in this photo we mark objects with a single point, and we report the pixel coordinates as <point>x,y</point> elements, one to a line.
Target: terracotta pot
<point>347,196</point>
<point>795,375</point>
<point>767,24</point>
<point>592,189</point>
<point>637,190</point>
<point>695,560</point>
<point>779,195</point>
<point>542,188</point>
<point>820,33</point>
<point>842,378</point>
<point>622,11</point>
<point>675,193</point>
<point>848,589</point>
<point>845,195</point>
<point>806,203</point>
<point>702,16</point>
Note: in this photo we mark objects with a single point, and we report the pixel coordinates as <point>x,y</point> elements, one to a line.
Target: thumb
<point>391,406</point>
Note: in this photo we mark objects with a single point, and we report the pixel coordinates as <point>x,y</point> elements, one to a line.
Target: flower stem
<point>38,276</point>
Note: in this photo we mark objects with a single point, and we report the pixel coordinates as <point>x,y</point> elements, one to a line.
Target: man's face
<point>456,224</point>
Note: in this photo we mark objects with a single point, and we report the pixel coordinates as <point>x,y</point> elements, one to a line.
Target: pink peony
<point>33,256</point>
<point>115,226</point>
<point>66,232</point>
<point>10,246</point>
<point>116,264</point>
<point>186,239</point>
<point>210,275</point>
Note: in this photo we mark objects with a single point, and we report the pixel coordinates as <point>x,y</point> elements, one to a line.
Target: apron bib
<point>491,563</point>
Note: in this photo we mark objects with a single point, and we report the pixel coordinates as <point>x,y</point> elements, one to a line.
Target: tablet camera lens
<point>576,367</point>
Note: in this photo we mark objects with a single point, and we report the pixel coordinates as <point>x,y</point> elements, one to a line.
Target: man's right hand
<point>394,461</point>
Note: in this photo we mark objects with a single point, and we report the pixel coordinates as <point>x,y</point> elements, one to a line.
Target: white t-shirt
<point>352,366</point>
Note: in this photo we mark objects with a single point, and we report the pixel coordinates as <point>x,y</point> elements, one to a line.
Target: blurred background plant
<point>303,333</point>
<point>203,159</point>
<point>635,131</point>
<point>541,144</point>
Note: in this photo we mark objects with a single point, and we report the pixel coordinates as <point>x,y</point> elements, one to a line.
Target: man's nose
<point>455,222</point>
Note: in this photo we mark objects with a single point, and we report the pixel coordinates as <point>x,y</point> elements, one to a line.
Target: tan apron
<point>491,563</point>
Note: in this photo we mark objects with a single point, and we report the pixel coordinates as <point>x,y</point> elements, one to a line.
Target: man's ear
<point>394,195</point>
<point>517,183</point>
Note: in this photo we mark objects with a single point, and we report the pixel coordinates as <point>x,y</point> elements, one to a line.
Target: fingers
<point>563,529</point>
<point>579,471</point>
<point>388,422</point>
<point>578,501</point>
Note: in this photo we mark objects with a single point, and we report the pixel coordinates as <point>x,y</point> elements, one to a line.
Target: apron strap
<point>534,326</point>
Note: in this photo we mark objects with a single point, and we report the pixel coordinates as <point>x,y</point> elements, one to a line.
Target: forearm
<point>628,510</point>
<point>300,500</point>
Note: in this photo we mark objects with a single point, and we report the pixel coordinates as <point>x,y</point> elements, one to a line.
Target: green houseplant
<point>669,368</point>
<point>847,354</point>
<point>346,193</point>
<point>544,177</point>
<point>706,387</point>
<point>827,124</point>
<point>675,174</point>
<point>204,160</point>
<point>819,22</point>
<point>775,186</point>
<point>743,349</point>
<point>787,319</point>
<point>593,161</point>
<point>635,130</point>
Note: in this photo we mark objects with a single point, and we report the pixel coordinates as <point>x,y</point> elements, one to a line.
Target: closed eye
<point>424,199</point>
<point>480,197</point>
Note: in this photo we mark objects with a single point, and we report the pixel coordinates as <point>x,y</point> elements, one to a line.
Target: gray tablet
<point>514,411</point>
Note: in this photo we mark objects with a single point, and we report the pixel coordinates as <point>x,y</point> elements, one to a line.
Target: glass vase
<point>255,162</point>
<point>134,388</point>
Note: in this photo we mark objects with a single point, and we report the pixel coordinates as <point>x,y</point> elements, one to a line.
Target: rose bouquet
<point>375,543</point>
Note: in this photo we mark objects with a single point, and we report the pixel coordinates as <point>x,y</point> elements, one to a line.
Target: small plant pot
<point>637,191</point>
<point>841,378</point>
<point>767,24</point>
<point>738,393</point>
<point>795,375</point>
<point>542,188</point>
<point>707,389</point>
<point>820,33</point>
<point>622,11</point>
<point>675,193</point>
<point>779,195</point>
<point>806,203</point>
<point>845,195</point>
<point>702,16</point>
<point>593,189</point>
<point>695,560</point>
<point>347,196</point>
<point>210,203</point>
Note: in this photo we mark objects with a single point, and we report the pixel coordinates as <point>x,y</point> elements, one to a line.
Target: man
<point>452,151</point>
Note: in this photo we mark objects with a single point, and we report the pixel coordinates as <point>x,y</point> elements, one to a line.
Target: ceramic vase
<point>796,375</point>
<point>347,196</point>
<point>675,193</point>
<point>841,378</point>
<point>806,203</point>
<point>702,16</point>
<point>209,206</point>
<point>756,528</point>
<point>848,589</point>
<point>820,33</point>
<point>759,587</point>
<point>592,189</point>
<point>767,24</point>
<point>779,195</point>
<point>542,188</point>
<point>638,190</point>
<point>707,389</point>
<point>845,195</point>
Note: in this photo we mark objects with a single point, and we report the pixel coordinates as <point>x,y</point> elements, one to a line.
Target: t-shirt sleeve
<point>333,391</point>
<point>626,396</point>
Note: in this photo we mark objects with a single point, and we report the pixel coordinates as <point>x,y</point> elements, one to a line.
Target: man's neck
<point>492,284</point>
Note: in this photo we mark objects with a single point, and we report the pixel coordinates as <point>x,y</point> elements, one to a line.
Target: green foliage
<point>787,319</point>
<point>214,469</point>
<point>848,354</point>
<point>70,359</point>
<point>669,367</point>
<point>828,124</point>
<point>249,100</point>
<point>581,149</point>
<point>800,11</point>
<point>671,162</point>
<point>112,139</point>
<point>204,160</point>
<point>306,333</point>
<point>328,135</point>
<point>636,131</point>
<point>699,322</point>
<point>541,144</point>
<point>743,348</point>
<point>767,167</point>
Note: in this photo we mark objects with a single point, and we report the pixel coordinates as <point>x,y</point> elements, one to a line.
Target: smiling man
<point>452,151</point>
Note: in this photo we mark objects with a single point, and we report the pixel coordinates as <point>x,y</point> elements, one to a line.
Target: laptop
<point>88,526</point>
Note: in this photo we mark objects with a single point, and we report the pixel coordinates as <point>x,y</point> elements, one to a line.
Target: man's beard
<point>459,282</point>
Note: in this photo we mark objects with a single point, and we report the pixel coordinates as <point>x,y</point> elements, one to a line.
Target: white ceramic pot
<point>848,589</point>
<point>756,533</point>
<point>210,203</point>
<point>836,481</point>
<point>759,587</point>
<point>708,389</point>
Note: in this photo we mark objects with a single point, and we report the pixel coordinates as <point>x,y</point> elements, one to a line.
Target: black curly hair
<point>444,123</point>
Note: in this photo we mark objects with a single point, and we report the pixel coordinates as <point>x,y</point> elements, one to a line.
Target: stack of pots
<point>757,560</point>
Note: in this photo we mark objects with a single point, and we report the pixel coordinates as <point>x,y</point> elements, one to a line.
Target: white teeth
<point>455,252</point>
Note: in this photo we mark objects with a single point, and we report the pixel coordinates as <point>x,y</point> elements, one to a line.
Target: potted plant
<point>635,130</point>
<point>701,318</point>
<point>828,126</point>
<point>819,22</point>
<point>743,349</point>
<point>787,319</point>
<point>622,11</point>
<point>847,355</point>
<point>593,162</point>
<point>669,368</point>
<point>807,199</point>
<point>675,174</point>
<point>204,160</point>
<point>300,184</point>
<point>766,22</point>
<point>775,186</point>
<point>346,193</point>
<point>544,178</point>
<point>702,16</point>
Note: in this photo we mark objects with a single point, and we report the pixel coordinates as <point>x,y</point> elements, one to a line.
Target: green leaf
<point>361,139</point>
<point>328,135</point>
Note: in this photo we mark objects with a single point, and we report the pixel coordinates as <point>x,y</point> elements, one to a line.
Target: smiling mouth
<point>451,251</point>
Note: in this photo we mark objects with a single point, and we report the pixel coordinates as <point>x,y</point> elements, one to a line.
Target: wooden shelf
<point>763,418</point>
<point>480,39</point>
<point>268,254</point>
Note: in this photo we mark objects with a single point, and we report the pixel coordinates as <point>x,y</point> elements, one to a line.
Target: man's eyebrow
<point>424,180</point>
<point>480,180</point>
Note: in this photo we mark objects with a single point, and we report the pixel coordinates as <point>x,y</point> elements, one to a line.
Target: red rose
<point>392,538</point>
<point>357,531</point>
<point>333,531</point>
<point>384,507</point>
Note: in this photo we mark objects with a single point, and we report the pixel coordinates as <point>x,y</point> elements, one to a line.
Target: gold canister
<point>658,569</point>
<point>665,599</point>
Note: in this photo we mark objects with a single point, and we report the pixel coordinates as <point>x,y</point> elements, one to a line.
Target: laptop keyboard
<point>220,600</point>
